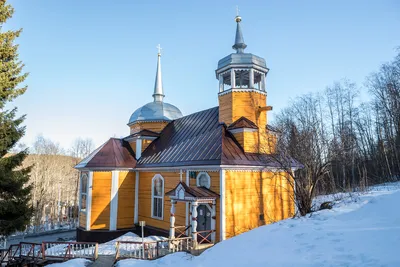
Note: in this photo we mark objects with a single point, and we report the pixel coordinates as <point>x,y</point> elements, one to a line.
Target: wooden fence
<point>70,250</point>
<point>48,251</point>
<point>152,250</point>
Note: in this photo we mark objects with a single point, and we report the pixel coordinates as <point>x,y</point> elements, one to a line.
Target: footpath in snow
<point>360,230</point>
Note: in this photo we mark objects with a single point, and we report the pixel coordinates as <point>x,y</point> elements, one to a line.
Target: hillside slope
<point>361,230</point>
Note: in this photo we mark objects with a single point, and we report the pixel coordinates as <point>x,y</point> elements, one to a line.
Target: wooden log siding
<point>152,126</point>
<point>243,207</point>
<point>171,179</point>
<point>145,144</point>
<point>126,200</point>
<point>101,194</point>
<point>234,105</point>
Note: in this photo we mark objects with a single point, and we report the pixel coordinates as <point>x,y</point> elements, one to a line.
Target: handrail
<point>52,250</point>
<point>69,250</point>
<point>204,237</point>
<point>182,233</point>
<point>152,249</point>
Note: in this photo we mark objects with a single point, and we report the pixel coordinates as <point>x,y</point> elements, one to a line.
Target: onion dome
<point>158,110</point>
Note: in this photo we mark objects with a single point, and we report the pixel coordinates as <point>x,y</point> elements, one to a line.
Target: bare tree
<point>81,148</point>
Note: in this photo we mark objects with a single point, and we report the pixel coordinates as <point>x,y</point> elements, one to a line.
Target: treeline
<point>345,143</point>
<point>54,181</point>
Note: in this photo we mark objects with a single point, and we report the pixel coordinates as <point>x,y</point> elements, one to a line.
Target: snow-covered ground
<point>360,230</point>
<point>72,263</point>
<point>109,247</point>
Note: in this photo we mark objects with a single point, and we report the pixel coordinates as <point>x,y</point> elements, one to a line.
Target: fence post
<point>117,248</point>
<point>43,251</point>
<point>157,244</point>
<point>96,251</point>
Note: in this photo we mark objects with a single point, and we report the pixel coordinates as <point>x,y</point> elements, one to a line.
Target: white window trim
<point>114,200</point>
<point>85,193</point>
<point>208,176</point>
<point>89,201</point>
<point>162,197</point>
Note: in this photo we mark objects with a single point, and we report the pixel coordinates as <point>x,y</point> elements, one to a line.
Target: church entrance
<point>203,222</point>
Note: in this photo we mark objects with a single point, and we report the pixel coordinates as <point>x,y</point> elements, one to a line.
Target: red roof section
<point>115,153</point>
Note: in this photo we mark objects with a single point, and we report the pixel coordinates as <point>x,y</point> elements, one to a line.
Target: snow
<point>72,263</point>
<point>360,230</point>
<point>109,247</point>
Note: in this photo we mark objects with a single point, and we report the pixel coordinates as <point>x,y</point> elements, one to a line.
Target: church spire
<point>239,45</point>
<point>158,86</point>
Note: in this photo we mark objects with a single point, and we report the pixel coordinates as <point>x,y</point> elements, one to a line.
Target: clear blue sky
<point>92,63</point>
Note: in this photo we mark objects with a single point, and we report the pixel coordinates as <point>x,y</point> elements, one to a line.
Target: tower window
<point>203,179</point>
<point>242,78</point>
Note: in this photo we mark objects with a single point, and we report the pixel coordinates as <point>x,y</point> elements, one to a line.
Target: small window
<point>157,196</point>
<point>84,191</point>
<point>203,179</point>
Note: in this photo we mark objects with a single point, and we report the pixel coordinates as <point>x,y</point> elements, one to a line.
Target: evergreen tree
<point>15,207</point>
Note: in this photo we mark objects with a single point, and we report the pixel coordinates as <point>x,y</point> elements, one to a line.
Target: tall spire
<point>239,45</point>
<point>158,86</point>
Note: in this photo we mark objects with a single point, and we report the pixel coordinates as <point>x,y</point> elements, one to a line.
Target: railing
<point>204,236</point>
<point>32,251</point>
<point>179,232</point>
<point>151,250</point>
<point>69,250</point>
<point>10,255</point>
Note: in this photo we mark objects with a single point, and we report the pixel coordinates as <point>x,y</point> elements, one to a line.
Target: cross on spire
<point>159,49</point>
<point>237,11</point>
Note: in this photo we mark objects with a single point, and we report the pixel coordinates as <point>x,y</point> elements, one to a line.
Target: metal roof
<point>239,59</point>
<point>199,139</point>
<point>194,140</point>
<point>194,191</point>
<point>115,153</point>
<point>155,111</point>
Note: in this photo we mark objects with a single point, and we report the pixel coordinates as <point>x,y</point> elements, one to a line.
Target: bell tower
<point>242,95</point>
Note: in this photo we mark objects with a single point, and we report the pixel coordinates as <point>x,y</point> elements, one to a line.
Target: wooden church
<point>210,174</point>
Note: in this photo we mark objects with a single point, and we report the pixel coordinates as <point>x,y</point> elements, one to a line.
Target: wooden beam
<point>267,108</point>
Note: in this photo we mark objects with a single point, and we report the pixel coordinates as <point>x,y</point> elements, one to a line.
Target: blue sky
<point>92,63</point>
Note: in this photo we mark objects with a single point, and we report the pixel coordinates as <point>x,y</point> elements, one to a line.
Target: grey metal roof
<point>242,59</point>
<point>199,139</point>
<point>239,45</point>
<point>155,111</point>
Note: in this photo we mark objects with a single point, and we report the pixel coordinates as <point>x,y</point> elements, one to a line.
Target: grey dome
<point>155,111</point>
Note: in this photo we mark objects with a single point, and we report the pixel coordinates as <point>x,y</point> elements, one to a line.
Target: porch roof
<point>183,192</point>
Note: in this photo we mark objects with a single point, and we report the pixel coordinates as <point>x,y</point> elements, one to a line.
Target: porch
<point>202,206</point>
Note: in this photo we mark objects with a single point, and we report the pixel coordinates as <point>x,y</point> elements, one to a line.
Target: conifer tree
<point>15,207</point>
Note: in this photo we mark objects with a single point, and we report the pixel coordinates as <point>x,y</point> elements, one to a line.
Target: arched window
<point>84,189</point>
<point>157,197</point>
<point>203,179</point>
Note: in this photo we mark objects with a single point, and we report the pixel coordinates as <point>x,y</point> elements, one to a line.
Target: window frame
<point>198,180</point>
<point>157,176</point>
<point>81,193</point>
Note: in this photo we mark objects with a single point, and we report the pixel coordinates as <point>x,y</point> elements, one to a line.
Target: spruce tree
<point>15,207</point>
